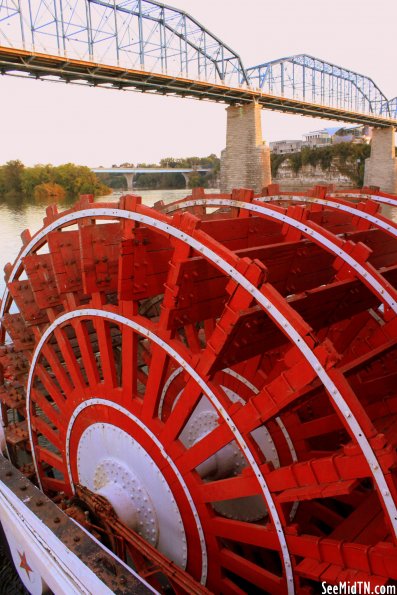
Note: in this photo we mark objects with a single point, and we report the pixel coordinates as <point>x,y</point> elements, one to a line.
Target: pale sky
<point>44,122</point>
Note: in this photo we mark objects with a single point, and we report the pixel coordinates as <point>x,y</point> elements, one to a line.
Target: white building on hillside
<point>281,147</point>
<point>325,136</point>
<point>319,138</point>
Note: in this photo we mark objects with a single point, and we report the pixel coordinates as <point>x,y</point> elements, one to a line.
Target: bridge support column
<point>186,176</point>
<point>245,162</point>
<point>381,166</point>
<point>130,181</point>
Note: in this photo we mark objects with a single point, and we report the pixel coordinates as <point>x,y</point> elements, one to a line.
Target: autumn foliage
<point>50,191</point>
<point>41,181</point>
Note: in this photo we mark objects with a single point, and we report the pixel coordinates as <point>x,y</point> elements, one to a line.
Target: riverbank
<point>340,164</point>
<point>310,175</point>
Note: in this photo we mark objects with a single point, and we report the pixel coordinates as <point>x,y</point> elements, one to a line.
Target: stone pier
<point>130,181</point>
<point>245,162</point>
<point>186,178</point>
<point>381,166</point>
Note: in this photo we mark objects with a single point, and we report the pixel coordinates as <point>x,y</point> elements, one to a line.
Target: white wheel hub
<point>114,465</point>
<point>117,483</point>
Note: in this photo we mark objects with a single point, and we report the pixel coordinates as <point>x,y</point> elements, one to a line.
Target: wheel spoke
<point>57,368</point>
<point>52,436</point>
<point>70,360</point>
<point>234,487</point>
<point>253,573</point>
<point>129,361</point>
<point>87,354</point>
<point>158,368</point>
<point>50,386</point>
<point>46,407</point>
<point>106,352</point>
<point>205,448</point>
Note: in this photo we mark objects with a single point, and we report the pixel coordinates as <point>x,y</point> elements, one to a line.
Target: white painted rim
<point>383,199</point>
<point>389,227</point>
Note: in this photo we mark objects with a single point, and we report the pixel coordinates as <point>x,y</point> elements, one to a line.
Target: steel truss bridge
<point>147,46</point>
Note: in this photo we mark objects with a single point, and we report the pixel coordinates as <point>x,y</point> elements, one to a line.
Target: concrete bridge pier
<point>186,177</point>
<point>245,162</point>
<point>381,166</point>
<point>130,181</point>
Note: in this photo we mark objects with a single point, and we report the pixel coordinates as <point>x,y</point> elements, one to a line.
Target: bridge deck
<point>38,65</point>
<point>149,170</point>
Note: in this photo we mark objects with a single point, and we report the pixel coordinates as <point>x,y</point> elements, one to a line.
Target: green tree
<point>12,171</point>
<point>18,182</point>
<point>34,176</point>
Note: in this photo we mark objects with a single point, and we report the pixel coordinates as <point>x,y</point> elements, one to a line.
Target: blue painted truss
<point>311,80</point>
<point>151,37</point>
<point>135,34</point>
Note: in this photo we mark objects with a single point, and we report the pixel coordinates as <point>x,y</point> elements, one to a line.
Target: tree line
<point>62,182</point>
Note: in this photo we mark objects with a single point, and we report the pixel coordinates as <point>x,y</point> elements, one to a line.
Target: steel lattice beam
<point>308,78</point>
<point>146,45</point>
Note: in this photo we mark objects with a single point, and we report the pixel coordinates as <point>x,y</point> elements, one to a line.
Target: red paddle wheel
<point>222,370</point>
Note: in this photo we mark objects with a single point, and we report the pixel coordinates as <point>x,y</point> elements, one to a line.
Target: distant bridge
<point>147,46</point>
<point>130,172</point>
